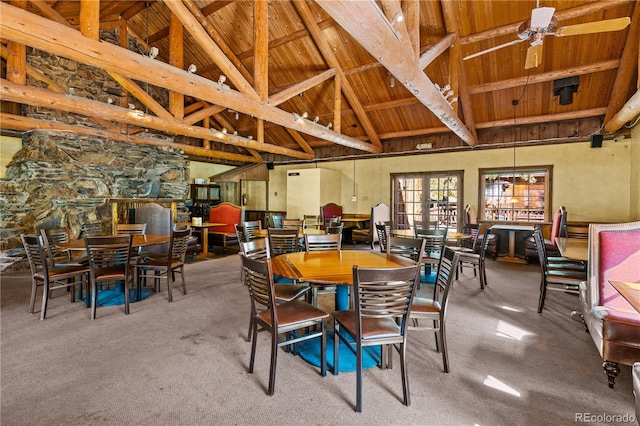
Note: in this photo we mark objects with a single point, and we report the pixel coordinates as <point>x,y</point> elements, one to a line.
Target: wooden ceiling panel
<point>366,99</point>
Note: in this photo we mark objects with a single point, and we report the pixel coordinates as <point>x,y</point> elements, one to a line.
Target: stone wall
<point>63,179</point>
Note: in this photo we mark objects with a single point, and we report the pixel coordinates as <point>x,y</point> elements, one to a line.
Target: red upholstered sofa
<point>229,214</point>
<point>614,325</point>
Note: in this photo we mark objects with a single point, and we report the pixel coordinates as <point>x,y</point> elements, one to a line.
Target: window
<point>520,194</point>
<point>428,199</point>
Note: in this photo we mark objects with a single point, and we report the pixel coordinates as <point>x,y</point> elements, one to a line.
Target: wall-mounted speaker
<point>270,166</point>
<point>596,141</point>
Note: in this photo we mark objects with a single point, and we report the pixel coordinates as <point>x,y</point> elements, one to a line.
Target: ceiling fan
<point>544,23</point>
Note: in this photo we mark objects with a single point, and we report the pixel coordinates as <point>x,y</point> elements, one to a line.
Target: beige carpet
<point>185,363</point>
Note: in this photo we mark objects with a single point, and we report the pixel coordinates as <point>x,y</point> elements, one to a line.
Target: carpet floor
<point>185,363</point>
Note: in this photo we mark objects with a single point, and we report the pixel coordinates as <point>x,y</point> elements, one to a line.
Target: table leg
<point>511,257</point>
<point>205,241</point>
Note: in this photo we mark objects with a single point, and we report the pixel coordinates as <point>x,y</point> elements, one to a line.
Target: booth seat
<point>328,212</point>
<point>614,325</point>
<point>229,214</point>
<point>379,213</point>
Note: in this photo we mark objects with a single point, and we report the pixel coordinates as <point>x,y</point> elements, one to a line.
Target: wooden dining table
<point>203,228</point>
<point>138,240</point>
<point>333,268</point>
<point>451,235</point>
<point>573,248</point>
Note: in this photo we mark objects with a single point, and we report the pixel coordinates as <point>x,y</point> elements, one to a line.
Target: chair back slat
<point>34,247</point>
<point>323,242</point>
<point>283,240</point>
<point>179,244</point>
<point>413,248</point>
<point>257,249</point>
<point>385,292</point>
<point>51,237</point>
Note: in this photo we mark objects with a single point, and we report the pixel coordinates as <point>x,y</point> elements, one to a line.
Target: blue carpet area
<point>114,296</point>
<point>428,278</point>
<point>309,350</point>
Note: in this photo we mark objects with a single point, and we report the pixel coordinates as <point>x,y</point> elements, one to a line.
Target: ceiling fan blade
<point>534,56</point>
<point>491,49</point>
<point>594,27</point>
<point>541,17</point>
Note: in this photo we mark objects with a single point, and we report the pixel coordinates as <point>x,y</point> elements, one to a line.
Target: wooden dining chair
<point>51,237</point>
<point>433,310</point>
<point>326,242</point>
<point>283,240</point>
<point>258,249</point>
<point>435,241</point>
<point>474,254</point>
<point>383,236</point>
<point>249,227</point>
<point>288,323</point>
<point>91,229</point>
<point>382,306</point>
<point>110,262</point>
<point>166,268</point>
<point>563,276</point>
<point>48,276</point>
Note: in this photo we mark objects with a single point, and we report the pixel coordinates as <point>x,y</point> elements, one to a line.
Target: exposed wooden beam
<point>360,19</point>
<point>176,58</point>
<point>201,16</point>
<point>44,34</point>
<point>48,99</point>
<point>90,19</point>
<point>629,111</point>
<point>543,77</point>
<point>327,53</point>
<point>201,37</point>
<point>296,89</point>
<point>629,64</point>
<point>437,49</point>
<point>20,123</point>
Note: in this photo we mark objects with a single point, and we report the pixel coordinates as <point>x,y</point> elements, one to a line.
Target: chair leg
<point>323,349</point>
<point>126,295</point>
<point>336,349</point>
<point>32,301</point>
<point>612,370</point>
<point>359,378</point>
<point>254,339</point>
<point>445,353</point>
<point>274,360</point>
<point>405,375</point>
<point>184,286</point>
<point>543,293</point>
<point>94,299</point>
<point>45,299</point>
<point>250,328</point>
<point>169,282</point>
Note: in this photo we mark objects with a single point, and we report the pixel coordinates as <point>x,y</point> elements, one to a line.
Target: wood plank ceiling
<point>305,80</point>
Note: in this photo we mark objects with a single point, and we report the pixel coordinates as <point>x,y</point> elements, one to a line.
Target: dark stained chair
<point>383,235</point>
<point>288,323</point>
<point>49,277</point>
<point>473,253</point>
<point>382,305</point>
<point>412,248</point>
<point>91,229</point>
<point>433,311</point>
<point>258,249</point>
<point>240,234</point>
<point>322,243</point>
<point>110,262</point>
<point>282,240</point>
<point>167,266</point>
<point>249,227</point>
<point>435,241</point>
<point>379,213</point>
<point>563,276</point>
<point>51,237</point>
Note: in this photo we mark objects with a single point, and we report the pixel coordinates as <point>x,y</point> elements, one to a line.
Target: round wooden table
<point>264,233</point>
<point>333,268</point>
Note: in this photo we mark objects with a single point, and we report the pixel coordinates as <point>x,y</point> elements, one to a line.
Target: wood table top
<point>203,225</point>
<point>332,267</point>
<point>573,248</point>
<point>630,291</point>
<point>137,241</point>
<point>451,235</point>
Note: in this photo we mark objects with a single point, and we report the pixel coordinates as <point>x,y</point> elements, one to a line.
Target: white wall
<point>205,170</point>
<point>594,184</point>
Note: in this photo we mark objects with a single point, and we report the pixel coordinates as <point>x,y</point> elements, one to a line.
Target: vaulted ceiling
<point>302,80</point>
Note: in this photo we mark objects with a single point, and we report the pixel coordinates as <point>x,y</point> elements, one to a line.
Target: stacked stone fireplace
<point>63,178</point>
